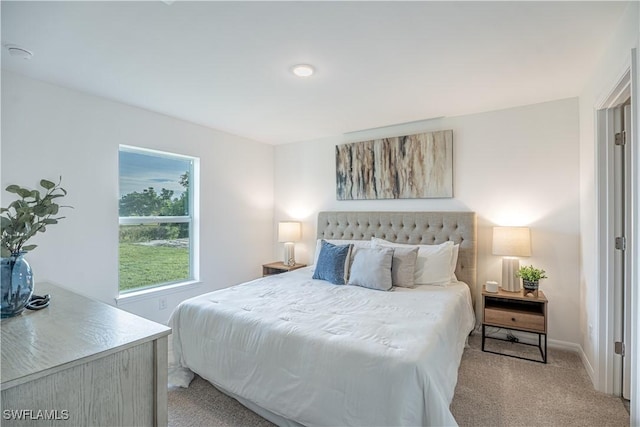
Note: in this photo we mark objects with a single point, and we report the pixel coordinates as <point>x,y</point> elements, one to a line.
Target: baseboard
<point>587,366</point>
<point>565,345</point>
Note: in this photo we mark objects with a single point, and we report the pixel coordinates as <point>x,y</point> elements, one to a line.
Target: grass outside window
<point>143,266</point>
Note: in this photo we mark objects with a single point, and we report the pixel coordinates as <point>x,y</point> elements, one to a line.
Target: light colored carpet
<point>492,390</point>
<point>495,390</point>
<point>203,405</point>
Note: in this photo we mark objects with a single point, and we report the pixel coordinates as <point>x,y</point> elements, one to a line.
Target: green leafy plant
<point>531,274</point>
<point>28,215</point>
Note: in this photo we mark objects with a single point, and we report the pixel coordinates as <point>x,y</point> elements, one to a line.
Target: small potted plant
<point>531,277</point>
<point>31,213</point>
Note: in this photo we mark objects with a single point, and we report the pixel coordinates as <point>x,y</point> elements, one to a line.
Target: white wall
<point>48,131</point>
<point>512,167</point>
<point>611,67</point>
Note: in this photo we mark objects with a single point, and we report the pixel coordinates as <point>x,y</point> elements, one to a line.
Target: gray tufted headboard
<point>427,228</point>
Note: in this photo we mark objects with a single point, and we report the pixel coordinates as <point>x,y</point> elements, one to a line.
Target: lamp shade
<point>512,241</point>
<point>288,231</point>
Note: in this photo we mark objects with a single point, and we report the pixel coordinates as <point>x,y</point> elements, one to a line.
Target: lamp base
<point>289,254</point>
<point>510,267</point>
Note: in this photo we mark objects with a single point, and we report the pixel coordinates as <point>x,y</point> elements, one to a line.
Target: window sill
<point>144,294</point>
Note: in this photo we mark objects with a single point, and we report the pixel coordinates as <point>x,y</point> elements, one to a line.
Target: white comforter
<point>321,354</point>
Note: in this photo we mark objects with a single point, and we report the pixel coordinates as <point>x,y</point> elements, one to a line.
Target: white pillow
<point>355,243</point>
<point>454,262</point>
<point>433,266</point>
<point>372,268</point>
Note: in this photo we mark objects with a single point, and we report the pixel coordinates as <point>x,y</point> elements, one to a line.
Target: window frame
<point>191,219</point>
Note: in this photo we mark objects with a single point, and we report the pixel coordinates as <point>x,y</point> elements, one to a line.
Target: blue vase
<point>17,285</point>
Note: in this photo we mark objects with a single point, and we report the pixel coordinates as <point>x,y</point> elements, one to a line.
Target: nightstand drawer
<point>514,319</point>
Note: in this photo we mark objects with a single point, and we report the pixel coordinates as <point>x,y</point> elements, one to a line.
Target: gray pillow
<point>404,266</point>
<point>371,268</point>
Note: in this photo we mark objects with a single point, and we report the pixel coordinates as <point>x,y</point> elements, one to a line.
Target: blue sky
<point>140,171</point>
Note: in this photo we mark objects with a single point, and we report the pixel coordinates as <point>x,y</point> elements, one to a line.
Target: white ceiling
<point>226,65</point>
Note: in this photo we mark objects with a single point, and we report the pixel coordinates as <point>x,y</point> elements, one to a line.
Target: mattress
<point>321,354</point>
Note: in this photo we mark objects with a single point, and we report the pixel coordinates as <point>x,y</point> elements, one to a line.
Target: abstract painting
<point>416,166</point>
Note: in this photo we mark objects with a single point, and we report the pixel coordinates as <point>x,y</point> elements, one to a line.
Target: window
<point>156,211</point>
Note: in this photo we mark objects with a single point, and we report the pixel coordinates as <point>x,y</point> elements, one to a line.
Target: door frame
<point>605,126</point>
<point>625,87</point>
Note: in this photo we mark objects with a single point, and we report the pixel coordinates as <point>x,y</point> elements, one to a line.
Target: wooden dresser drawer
<point>514,319</point>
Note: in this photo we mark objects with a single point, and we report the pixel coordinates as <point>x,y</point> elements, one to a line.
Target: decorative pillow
<point>372,268</point>
<point>433,265</point>
<point>331,263</point>
<point>403,267</point>
<point>355,244</point>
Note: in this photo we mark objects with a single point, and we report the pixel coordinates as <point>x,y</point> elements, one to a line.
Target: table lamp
<point>289,232</point>
<point>511,243</point>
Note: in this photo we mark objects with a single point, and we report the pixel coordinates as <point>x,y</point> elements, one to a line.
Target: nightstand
<point>278,267</point>
<point>514,311</point>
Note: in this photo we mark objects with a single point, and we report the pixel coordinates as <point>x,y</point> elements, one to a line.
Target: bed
<point>303,351</point>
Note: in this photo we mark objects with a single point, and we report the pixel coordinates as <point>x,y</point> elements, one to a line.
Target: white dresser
<point>80,362</point>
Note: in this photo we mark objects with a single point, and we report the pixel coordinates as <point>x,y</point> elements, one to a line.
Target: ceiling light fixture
<point>18,52</point>
<point>303,70</point>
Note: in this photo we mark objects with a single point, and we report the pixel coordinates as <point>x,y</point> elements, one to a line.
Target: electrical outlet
<point>162,303</point>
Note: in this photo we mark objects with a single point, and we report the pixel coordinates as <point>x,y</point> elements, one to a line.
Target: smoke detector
<point>18,51</point>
